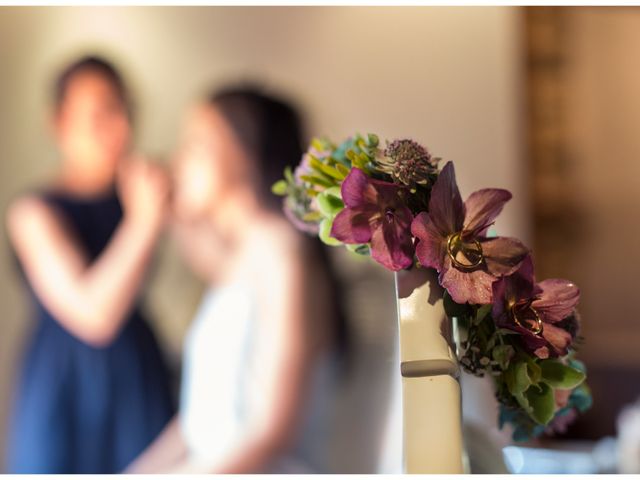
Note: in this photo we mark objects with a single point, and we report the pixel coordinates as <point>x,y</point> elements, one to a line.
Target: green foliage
<point>325,233</point>
<point>503,354</point>
<point>280,188</point>
<point>558,375</point>
<point>317,180</point>
<point>453,309</point>
<point>330,202</point>
<point>358,151</point>
<point>531,382</point>
<point>481,314</point>
<point>518,378</point>
<point>539,402</point>
<point>358,249</point>
<point>330,164</point>
<point>525,385</point>
<point>315,196</point>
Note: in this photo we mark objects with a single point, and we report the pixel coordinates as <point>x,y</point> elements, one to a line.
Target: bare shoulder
<point>26,211</point>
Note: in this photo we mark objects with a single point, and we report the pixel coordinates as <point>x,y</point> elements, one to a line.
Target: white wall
<point>449,77</point>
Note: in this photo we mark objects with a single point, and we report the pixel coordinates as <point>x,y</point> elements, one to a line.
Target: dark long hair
<point>99,66</point>
<point>270,131</point>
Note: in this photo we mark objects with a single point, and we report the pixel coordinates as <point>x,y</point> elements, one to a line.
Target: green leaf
<point>482,312</point>
<point>453,309</point>
<point>315,180</point>
<point>326,170</point>
<point>372,140</point>
<point>542,403</point>
<point>364,158</point>
<point>517,378</point>
<point>288,175</point>
<point>558,375</point>
<point>359,248</point>
<point>503,354</point>
<point>534,371</point>
<point>329,204</point>
<point>342,169</point>
<point>506,331</point>
<point>325,233</point>
<point>335,191</point>
<point>358,162</point>
<point>318,144</point>
<point>312,217</point>
<point>332,172</point>
<point>280,187</point>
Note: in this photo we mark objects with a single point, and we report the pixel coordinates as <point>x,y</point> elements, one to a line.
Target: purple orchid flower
<point>375,212</point>
<point>452,239</point>
<point>543,313</point>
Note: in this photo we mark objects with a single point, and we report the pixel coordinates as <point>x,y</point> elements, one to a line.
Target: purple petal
<point>523,281</point>
<point>553,341</point>
<point>391,242</point>
<point>526,271</point>
<point>503,255</point>
<point>558,338</point>
<point>571,324</point>
<point>445,205</point>
<point>388,196</point>
<point>557,300</point>
<point>431,248</point>
<point>467,286</point>
<point>351,225</point>
<point>357,189</point>
<point>499,290</point>
<point>482,208</point>
<point>390,188</point>
<point>518,286</point>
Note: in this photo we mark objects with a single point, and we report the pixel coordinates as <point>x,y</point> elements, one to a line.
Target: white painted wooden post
<point>431,403</point>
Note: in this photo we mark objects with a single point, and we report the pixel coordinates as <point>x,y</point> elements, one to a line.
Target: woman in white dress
<point>261,360</point>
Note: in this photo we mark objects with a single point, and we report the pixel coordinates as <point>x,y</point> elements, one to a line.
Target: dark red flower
<point>375,213</point>
<point>452,239</point>
<point>543,313</point>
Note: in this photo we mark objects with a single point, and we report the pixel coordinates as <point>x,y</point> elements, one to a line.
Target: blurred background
<point>541,101</point>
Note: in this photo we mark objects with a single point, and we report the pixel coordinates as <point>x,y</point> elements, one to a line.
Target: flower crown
<point>396,205</point>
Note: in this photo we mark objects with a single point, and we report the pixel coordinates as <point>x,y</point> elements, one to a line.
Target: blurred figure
<point>262,356</point>
<point>93,390</point>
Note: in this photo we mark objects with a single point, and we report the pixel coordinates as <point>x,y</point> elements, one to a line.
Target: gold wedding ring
<point>534,324</point>
<point>471,251</point>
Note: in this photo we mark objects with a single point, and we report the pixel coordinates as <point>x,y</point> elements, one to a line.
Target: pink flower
<point>375,212</point>
<point>452,239</point>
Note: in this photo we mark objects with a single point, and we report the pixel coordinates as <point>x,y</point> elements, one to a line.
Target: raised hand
<point>144,189</point>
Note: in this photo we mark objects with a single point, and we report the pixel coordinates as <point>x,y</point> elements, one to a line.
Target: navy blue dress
<point>81,409</point>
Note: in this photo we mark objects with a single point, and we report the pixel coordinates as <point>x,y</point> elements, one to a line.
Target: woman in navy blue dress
<point>93,390</point>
